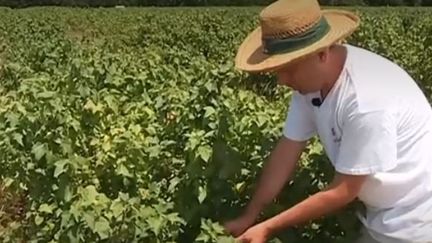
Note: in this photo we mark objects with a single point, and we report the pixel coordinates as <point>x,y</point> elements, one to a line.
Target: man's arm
<point>343,190</point>
<point>276,172</point>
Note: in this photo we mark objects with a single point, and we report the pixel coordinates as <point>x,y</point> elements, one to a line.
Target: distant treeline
<point>110,3</point>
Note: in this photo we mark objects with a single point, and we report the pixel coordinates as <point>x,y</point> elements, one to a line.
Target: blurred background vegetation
<point>111,3</point>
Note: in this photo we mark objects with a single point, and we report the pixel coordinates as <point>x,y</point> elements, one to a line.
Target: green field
<point>131,125</point>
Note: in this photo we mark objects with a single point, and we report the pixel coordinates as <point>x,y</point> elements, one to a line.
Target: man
<point>373,120</point>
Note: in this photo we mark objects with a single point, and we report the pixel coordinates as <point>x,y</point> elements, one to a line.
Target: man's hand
<point>239,225</point>
<point>257,234</point>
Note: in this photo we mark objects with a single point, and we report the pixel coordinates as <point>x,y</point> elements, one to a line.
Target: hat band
<point>293,43</point>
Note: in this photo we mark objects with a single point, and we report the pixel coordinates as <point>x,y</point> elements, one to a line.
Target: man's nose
<point>281,79</point>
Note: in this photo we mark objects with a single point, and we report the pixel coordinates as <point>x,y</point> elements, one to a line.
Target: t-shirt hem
<point>297,138</point>
<point>366,170</point>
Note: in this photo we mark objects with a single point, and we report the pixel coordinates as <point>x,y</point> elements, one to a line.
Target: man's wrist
<point>272,225</point>
<point>269,229</point>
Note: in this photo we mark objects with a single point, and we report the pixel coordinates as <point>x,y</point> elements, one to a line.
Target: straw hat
<point>291,29</point>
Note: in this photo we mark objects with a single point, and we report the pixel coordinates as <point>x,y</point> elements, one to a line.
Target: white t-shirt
<point>376,121</point>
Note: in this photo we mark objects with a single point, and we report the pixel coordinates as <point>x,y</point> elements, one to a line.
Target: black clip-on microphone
<point>316,102</point>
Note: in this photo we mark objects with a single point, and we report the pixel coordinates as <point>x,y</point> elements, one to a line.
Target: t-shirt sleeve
<point>369,143</point>
<point>299,124</point>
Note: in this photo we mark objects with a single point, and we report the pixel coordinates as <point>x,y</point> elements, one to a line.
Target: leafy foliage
<point>122,3</point>
<point>133,126</point>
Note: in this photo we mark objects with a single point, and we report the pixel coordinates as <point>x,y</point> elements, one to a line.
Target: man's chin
<point>302,92</point>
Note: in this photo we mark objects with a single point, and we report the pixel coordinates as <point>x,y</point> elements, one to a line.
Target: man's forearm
<point>271,182</point>
<point>316,206</point>
<point>275,174</point>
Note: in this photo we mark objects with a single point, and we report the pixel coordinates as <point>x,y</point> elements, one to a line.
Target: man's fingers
<point>242,240</point>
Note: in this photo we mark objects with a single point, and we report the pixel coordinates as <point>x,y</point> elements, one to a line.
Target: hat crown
<point>285,18</point>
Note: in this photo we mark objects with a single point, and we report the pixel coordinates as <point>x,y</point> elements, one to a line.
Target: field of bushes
<point>131,125</point>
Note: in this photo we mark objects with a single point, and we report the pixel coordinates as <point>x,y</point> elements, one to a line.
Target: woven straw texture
<point>285,18</point>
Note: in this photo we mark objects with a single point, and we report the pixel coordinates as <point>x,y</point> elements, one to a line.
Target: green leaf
<point>123,170</point>
<point>30,166</point>
<point>205,152</point>
<point>75,125</point>
<point>174,218</point>
<point>261,119</point>
<point>60,167</point>
<point>117,209</point>
<point>210,86</point>
<point>102,228</point>
<point>21,108</point>
<point>124,196</point>
<point>90,220</point>
<point>39,220</point>
<point>240,187</point>
<point>46,94</point>
<point>93,107</point>
<point>217,228</point>
<point>276,240</point>
<point>89,194</point>
<point>209,111</point>
<point>149,112</point>
<point>111,102</point>
<point>67,194</point>
<point>226,239</point>
<point>154,151</point>
<point>66,147</point>
<point>8,181</point>
<point>155,224</point>
<point>202,237</point>
<point>18,137</point>
<point>202,194</point>
<point>151,130</point>
<point>45,208</point>
<point>136,129</point>
<point>106,145</point>
<point>173,184</point>
<point>64,191</point>
<point>13,119</point>
<point>39,150</point>
<point>147,212</point>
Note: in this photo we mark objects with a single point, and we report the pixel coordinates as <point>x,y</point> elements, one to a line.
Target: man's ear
<point>323,54</point>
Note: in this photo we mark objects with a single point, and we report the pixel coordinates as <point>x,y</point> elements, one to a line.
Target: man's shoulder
<point>366,63</point>
<point>374,82</point>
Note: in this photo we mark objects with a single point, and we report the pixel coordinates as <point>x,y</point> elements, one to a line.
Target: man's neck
<point>338,56</point>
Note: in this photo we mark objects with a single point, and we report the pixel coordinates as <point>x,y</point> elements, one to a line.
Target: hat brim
<point>251,57</point>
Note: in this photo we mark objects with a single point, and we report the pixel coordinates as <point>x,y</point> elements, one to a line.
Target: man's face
<point>304,76</point>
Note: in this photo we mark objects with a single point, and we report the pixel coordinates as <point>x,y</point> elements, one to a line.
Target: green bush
<point>133,126</point>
